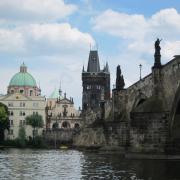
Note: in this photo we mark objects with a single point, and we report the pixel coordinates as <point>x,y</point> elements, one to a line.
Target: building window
<point>21,113</point>
<point>22,104</point>
<point>20,123</point>
<point>21,91</point>
<point>12,91</point>
<point>35,113</point>
<point>11,122</point>
<point>10,113</point>
<point>31,92</point>
<point>11,132</point>
<point>35,104</point>
<point>10,104</point>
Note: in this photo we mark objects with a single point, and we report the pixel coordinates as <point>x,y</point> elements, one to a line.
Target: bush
<point>37,142</point>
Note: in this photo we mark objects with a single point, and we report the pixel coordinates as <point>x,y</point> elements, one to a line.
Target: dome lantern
<point>23,68</point>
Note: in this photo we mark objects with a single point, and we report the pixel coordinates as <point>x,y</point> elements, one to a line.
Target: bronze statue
<point>157,54</point>
<point>157,46</point>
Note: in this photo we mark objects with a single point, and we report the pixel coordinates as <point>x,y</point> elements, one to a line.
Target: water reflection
<point>74,165</point>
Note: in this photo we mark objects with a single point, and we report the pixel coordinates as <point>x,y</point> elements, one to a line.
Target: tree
<point>36,121</point>
<point>22,137</point>
<point>4,120</point>
<point>119,79</point>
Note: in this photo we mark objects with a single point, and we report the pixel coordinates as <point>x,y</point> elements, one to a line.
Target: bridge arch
<point>140,99</point>
<point>175,117</point>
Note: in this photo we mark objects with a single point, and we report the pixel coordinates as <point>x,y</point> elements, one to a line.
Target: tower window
<point>31,93</point>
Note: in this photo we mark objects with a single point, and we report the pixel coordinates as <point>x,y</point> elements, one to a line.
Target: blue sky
<point>53,38</point>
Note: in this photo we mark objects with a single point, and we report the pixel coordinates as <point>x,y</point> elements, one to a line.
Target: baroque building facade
<point>61,113</point>
<point>23,98</point>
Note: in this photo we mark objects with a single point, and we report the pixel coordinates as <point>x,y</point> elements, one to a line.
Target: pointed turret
<point>60,91</point>
<point>93,63</point>
<point>107,67</point>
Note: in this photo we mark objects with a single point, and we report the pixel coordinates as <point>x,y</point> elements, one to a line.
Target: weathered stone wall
<point>171,80</point>
<point>149,132</point>
<point>139,117</point>
<point>59,136</point>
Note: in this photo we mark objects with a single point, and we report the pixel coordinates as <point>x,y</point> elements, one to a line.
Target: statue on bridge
<point>157,54</point>
<point>157,46</point>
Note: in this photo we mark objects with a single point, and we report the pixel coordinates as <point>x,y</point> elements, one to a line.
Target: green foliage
<point>22,137</point>
<point>34,120</point>
<point>38,142</point>
<point>4,120</point>
<point>10,143</point>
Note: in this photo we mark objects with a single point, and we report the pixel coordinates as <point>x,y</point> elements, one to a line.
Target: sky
<point>53,38</point>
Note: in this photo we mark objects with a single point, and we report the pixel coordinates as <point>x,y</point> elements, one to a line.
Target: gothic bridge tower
<point>95,82</point>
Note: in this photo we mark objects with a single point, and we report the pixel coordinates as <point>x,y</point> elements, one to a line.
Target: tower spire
<point>93,62</point>
<point>60,91</point>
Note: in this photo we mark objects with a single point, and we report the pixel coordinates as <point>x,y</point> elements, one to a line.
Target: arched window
<point>76,126</point>
<point>65,125</point>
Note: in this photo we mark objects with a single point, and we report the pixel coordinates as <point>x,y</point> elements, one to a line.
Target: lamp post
<point>140,68</point>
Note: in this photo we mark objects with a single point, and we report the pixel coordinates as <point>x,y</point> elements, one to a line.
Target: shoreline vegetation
<point>36,142</point>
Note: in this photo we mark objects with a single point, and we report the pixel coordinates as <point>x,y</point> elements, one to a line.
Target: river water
<point>73,165</point>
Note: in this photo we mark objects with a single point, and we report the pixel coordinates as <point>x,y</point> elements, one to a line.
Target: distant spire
<point>107,67</point>
<point>39,88</point>
<point>60,91</point>
<point>83,69</point>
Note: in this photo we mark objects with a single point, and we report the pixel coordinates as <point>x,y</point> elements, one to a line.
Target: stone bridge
<point>150,108</point>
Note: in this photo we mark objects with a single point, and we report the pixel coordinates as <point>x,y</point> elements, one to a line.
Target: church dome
<point>56,94</point>
<point>23,78</point>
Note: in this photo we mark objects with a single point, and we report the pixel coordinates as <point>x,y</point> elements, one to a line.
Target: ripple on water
<point>73,165</point>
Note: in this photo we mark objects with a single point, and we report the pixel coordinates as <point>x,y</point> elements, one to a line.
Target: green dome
<point>55,94</point>
<point>23,78</point>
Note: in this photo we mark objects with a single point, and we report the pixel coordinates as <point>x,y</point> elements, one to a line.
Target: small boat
<point>63,147</point>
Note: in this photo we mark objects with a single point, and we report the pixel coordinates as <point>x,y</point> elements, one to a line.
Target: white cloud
<point>138,33</point>
<point>34,10</point>
<point>120,24</point>
<point>43,39</point>
<point>53,52</point>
